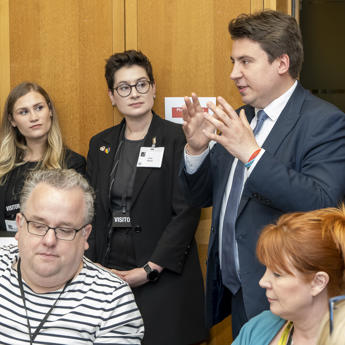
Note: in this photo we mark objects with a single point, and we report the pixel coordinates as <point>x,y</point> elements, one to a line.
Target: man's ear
<point>19,222</point>
<point>86,233</point>
<point>319,282</point>
<point>112,98</point>
<point>283,64</point>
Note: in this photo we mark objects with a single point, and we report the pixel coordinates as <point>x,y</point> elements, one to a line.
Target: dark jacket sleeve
<point>75,161</point>
<point>175,242</point>
<point>91,252</point>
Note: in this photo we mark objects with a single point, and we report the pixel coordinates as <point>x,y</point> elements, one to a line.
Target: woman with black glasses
<point>143,228</point>
<point>304,258</point>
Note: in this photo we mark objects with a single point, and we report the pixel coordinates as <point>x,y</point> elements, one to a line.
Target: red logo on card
<point>177,111</point>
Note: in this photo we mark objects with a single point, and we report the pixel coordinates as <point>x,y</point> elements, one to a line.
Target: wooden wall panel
<point>131,24</point>
<point>256,5</point>
<point>272,4</point>
<point>4,53</point>
<point>63,46</point>
<point>189,46</point>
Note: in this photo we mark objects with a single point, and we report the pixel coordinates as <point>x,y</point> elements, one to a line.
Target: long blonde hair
<point>13,143</point>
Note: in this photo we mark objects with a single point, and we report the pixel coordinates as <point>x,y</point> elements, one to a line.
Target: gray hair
<point>62,179</point>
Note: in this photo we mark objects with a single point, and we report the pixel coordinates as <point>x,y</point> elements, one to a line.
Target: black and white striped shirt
<point>96,308</point>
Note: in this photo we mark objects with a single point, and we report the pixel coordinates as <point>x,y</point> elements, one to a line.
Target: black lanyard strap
<point>20,281</point>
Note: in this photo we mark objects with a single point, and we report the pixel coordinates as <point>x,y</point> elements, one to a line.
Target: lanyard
<point>20,281</point>
<point>286,337</point>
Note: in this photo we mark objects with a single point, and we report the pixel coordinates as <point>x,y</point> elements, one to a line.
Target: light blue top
<point>260,330</point>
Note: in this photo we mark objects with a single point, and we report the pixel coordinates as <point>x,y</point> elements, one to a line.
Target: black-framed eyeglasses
<point>41,229</point>
<point>142,86</point>
<point>332,305</point>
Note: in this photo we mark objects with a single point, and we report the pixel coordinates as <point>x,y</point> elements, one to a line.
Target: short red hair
<point>311,241</point>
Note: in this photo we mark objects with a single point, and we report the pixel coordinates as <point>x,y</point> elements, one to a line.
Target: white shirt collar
<point>274,109</point>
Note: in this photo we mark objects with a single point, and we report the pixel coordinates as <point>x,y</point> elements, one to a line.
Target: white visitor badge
<point>150,157</point>
<point>11,225</point>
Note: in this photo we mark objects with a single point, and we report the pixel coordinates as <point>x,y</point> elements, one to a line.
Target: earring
<point>154,96</point>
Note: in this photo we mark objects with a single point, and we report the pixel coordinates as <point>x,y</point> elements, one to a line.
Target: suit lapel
<point>284,125</point>
<point>106,160</point>
<point>286,121</point>
<point>143,173</point>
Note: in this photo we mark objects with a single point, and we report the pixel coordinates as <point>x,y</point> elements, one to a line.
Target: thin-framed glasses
<point>41,229</point>
<point>124,89</point>
<point>332,305</point>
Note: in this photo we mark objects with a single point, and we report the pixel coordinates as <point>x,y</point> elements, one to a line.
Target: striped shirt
<point>96,308</point>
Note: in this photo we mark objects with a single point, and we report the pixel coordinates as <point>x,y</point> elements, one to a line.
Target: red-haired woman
<point>304,258</point>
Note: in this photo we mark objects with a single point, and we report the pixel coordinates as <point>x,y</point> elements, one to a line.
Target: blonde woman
<point>30,139</point>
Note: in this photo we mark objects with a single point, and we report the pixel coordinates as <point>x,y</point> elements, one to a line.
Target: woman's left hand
<point>134,277</point>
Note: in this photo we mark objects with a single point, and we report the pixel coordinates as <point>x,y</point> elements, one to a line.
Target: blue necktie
<point>230,260</point>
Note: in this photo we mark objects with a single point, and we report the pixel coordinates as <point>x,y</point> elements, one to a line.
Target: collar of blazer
<point>143,173</point>
<point>284,125</point>
<point>112,140</point>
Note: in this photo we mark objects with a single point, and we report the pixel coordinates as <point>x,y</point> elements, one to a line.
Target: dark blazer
<point>302,169</point>
<point>73,161</point>
<point>164,228</point>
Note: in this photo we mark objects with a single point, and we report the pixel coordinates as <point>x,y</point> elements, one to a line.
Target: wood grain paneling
<point>272,4</point>
<point>189,46</point>
<point>4,53</point>
<point>118,25</point>
<point>63,46</point>
<point>256,5</point>
<point>131,24</point>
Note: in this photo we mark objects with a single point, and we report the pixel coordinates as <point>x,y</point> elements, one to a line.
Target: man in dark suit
<point>284,152</point>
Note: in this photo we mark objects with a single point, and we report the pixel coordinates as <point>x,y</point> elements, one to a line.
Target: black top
<point>122,188</point>
<point>10,190</point>
<point>15,182</point>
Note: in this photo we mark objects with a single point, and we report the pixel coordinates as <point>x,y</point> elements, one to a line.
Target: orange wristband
<point>254,155</point>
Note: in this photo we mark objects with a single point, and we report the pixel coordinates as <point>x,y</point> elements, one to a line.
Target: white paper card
<point>11,225</point>
<point>150,157</point>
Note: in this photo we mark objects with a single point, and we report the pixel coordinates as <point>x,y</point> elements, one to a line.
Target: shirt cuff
<point>192,163</point>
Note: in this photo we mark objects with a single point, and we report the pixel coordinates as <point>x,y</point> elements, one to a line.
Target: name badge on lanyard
<point>121,219</point>
<point>11,225</point>
<point>150,157</point>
